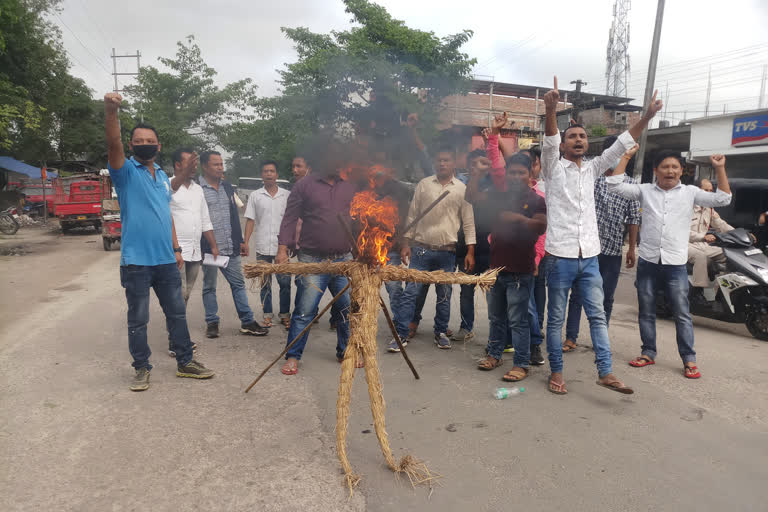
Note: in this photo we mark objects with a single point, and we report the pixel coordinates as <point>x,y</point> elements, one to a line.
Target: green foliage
<point>598,130</point>
<point>45,113</point>
<point>328,87</point>
<point>184,103</point>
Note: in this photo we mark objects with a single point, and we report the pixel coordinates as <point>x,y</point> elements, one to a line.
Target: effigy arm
<point>392,273</point>
<point>253,270</point>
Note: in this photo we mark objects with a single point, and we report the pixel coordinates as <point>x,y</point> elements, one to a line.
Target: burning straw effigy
<point>366,275</point>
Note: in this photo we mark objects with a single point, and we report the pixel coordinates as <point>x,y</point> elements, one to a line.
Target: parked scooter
<point>738,290</point>
<point>9,224</point>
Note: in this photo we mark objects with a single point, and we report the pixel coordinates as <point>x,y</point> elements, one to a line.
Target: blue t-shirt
<point>145,213</point>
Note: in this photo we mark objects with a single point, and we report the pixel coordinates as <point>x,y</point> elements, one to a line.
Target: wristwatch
<point>177,249</point>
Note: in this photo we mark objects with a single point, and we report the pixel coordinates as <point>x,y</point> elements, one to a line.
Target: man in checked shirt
<point>613,213</point>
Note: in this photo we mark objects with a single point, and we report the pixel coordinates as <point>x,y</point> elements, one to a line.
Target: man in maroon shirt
<point>317,199</point>
<point>520,218</point>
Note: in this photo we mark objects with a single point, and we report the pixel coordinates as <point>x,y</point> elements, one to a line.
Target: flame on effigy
<point>378,219</point>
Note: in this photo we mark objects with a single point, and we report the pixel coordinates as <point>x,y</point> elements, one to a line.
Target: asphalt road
<point>73,437</point>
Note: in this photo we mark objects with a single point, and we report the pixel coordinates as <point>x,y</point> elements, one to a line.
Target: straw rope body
<point>364,294</point>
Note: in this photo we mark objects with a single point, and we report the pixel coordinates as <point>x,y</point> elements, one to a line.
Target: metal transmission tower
<point>617,56</point>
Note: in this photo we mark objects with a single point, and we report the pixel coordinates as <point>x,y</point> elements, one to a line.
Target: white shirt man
<point>264,213</point>
<point>190,216</point>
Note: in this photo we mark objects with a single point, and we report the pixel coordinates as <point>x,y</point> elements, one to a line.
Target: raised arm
<point>615,181</point>
<point>637,129</point>
<point>550,151</point>
<point>723,195</point>
<point>115,150</point>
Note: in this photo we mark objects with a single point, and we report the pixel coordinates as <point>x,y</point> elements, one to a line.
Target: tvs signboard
<point>750,130</point>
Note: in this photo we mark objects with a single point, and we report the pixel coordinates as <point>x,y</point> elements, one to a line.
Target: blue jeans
<point>583,275</point>
<point>284,282</point>
<point>309,291</point>
<point>674,279</point>
<point>233,273</point>
<point>610,269</point>
<point>533,318</point>
<point>467,295</point>
<point>395,292</point>
<point>540,291</point>
<point>509,300</point>
<point>427,259</point>
<point>166,281</point>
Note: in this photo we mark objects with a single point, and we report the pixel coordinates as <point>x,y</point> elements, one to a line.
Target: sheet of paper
<point>220,261</point>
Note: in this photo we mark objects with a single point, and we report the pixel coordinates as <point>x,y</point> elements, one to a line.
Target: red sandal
<point>691,372</point>
<point>641,361</point>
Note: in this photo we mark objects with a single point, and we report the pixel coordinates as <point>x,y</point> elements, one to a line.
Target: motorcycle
<point>738,290</point>
<point>8,223</point>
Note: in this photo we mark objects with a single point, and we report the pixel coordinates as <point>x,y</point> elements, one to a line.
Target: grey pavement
<point>74,438</point>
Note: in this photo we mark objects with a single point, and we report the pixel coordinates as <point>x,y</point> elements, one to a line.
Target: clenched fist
<point>552,98</point>
<point>717,160</point>
<point>112,101</point>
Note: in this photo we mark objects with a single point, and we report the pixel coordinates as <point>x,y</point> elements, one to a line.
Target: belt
<point>323,255</point>
<point>446,247</point>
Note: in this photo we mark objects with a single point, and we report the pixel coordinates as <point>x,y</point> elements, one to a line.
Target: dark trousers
<point>166,281</point>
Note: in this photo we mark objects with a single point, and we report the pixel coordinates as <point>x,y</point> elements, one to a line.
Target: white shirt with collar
<point>571,217</point>
<point>267,213</point>
<point>666,216</point>
<point>191,218</point>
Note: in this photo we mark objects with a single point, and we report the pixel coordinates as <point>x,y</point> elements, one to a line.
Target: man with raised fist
<point>572,241</point>
<point>150,253</point>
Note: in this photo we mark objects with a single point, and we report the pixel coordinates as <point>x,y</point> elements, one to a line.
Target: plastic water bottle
<point>502,393</point>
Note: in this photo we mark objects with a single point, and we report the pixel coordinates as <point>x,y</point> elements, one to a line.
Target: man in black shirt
<point>519,218</point>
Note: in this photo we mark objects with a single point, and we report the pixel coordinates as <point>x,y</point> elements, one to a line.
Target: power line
<point>104,38</point>
<point>98,60</point>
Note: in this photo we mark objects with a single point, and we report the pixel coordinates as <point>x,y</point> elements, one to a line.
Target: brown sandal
<point>616,385</point>
<point>286,323</point>
<point>569,345</point>
<point>489,363</point>
<point>267,322</point>
<point>516,374</point>
<point>554,387</point>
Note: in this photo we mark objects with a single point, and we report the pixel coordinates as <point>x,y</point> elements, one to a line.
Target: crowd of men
<point>552,220</point>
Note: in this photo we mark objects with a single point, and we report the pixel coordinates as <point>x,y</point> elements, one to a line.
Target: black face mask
<point>145,151</point>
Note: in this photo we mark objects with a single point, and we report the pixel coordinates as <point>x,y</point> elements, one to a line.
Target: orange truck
<point>77,203</point>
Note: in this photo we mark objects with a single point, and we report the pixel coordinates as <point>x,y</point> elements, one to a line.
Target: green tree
<point>184,103</point>
<point>46,114</point>
<point>330,84</point>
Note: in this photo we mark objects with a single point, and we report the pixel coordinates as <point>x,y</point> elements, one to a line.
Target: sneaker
<point>140,380</point>
<point>172,353</point>
<point>442,341</point>
<point>463,335</point>
<point>254,329</point>
<point>194,370</point>
<point>509,349</point>
<point>394,347</point>
<point>536,358</point>
<point>212,330</point>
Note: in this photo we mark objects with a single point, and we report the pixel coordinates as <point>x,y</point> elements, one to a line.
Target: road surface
<point>73,437</point>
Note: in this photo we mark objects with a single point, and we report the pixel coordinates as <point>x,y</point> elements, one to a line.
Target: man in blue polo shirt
<point>150,253</point>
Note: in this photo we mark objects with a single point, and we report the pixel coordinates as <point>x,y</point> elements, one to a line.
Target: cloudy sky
<point>512,42</point>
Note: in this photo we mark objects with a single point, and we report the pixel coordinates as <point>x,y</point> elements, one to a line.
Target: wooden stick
<point>424,213</point>
<point>384,308</point>
<point>292,343</point>
<point>397,338</point>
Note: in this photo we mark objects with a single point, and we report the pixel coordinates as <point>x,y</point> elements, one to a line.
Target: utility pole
<point>709,90</point>
<point>638,172</point>
<point>115,74</point>
<point>577,102</point>
<point>762,86</point>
